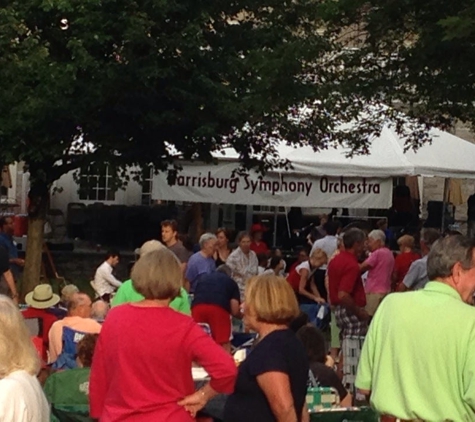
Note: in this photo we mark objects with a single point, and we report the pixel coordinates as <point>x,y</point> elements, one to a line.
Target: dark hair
<point>242,235</point>
<point>446,252</point>
<point>353,236</point>
<point>330,228</point>
<point>85,349</point>
<point>3,220</point>
<point>225,231</point>
<point>111,253</point>
<point>313,342</point>
<point>299,322</point>
<point>170,223</point>
<point>429,236</point>
<point>274,261</point>
<point>261,257</point>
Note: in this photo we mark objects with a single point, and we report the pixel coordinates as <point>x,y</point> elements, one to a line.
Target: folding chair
<point>67,358</point>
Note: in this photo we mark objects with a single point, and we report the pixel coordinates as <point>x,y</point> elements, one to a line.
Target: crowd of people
<point>348,314</point>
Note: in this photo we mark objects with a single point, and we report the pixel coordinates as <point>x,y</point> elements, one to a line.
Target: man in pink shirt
<point>380,265</point>
<point>78,319</point>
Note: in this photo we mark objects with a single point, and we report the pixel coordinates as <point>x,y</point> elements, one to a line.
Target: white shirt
<point>104,281</point>
<point>328,244</point>
<point>22,399</point>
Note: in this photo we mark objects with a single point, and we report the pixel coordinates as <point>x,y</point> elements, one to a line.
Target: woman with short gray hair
<point>201,262</point>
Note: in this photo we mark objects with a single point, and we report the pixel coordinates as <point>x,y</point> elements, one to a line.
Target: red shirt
<point>260,247</point>
<point>402,263</point>
<point>344,275</point>
<point>142,365</point>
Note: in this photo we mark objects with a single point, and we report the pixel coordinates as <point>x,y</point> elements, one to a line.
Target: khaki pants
<point>373,300</point>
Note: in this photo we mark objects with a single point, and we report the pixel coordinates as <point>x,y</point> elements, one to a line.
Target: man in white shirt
<point>329,245</point>
<point>104,281</point>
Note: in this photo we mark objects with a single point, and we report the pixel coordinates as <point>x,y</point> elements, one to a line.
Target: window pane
<point>110,195</point>
<point>102,182</point>
<point>101,195</point>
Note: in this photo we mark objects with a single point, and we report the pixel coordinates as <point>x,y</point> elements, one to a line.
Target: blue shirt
<point>216,289</point>
<point>9,245</point>
<point>7,242</point>
<point>198,265</point>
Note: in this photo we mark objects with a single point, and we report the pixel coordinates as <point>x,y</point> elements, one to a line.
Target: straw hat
<point>42,297</point>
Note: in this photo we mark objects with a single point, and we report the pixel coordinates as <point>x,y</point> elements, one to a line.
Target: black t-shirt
<point>216,289</point>
<point>327,377</point>
<point>4,261</point>
<point>279,351</point>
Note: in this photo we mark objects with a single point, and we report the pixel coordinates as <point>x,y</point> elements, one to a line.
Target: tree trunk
<point>37,208</point>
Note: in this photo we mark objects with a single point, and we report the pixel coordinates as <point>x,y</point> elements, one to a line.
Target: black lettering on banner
<point>233,185</point>
<point>246,180</point>
<point>292,186</point>
<point>180,181</point>
<point>211,180</point>
<point>275,187</point>
<point>351,188</point>
<point>265,185</point>
<point>324,185</point>
<point>337,188</point>
<point>377,188</point>
<point>300,187</point>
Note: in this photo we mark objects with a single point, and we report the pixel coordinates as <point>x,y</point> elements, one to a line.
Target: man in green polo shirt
<point>127,294</point>
<point>418,359</point>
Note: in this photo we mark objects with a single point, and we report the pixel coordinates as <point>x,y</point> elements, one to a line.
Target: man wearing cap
<point>78,319</point>
<point>41,302</point>
<point>257,244</point>
<point>127,293</point>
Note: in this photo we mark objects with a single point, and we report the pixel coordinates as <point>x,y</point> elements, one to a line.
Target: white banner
<point>217,184</point>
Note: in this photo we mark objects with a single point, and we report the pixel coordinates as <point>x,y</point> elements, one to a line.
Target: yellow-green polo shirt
<point>418,358</point>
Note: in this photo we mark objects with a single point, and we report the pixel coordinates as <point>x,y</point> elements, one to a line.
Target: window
<point>96,183</point>
<point>147,180</point>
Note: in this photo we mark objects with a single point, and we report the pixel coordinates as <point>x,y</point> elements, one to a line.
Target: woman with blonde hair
<point>272,381</point>
<point>21,396</point>
<point>141,369</point>
<point>301,278</point>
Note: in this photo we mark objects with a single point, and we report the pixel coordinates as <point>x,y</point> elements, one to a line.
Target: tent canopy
<point>446,156</point>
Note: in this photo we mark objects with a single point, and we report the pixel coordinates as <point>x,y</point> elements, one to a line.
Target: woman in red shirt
<point>142,367</point>
<point>404,260</point>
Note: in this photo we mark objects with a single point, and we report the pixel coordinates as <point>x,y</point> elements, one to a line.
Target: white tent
<point>327,178</point>
<point>446,156</point>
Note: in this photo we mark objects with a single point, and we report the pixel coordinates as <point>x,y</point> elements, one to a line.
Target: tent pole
<point>444,202</point>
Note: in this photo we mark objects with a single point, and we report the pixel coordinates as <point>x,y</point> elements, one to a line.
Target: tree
<point>415,55</point>
<point>136,82</point>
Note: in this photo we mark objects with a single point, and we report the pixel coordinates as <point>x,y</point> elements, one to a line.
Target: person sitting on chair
<point>104,281</point>
<point>99,311</point>
<point>41,302</point>
<point>71,388</point>
<point>314,343</point>
<point>78,319</point>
